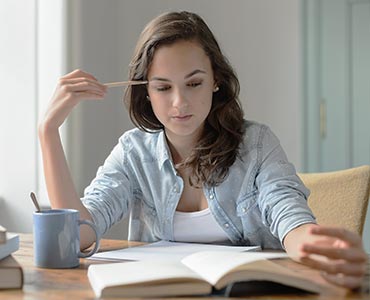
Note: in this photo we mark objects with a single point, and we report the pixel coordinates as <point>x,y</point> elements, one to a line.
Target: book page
<point>164,250</point>
<point>212,265</point>
<point>141,273</point>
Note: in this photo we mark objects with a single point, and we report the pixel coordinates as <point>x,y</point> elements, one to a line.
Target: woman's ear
<point>215,86</point>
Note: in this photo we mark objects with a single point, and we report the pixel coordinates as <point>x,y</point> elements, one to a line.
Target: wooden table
<point>72,284</point>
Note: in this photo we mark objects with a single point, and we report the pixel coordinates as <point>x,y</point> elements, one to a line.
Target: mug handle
<point>97,242</point>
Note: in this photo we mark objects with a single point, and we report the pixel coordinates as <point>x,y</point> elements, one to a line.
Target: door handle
<point>323,119</point>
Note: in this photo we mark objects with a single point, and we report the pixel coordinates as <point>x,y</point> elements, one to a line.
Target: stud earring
<point>216,89</point>
<point>147,97</point>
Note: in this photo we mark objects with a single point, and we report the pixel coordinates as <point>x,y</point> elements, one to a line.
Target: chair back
<point>339,198</point>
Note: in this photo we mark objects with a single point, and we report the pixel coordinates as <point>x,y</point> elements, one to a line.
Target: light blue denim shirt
<point>259,202</point>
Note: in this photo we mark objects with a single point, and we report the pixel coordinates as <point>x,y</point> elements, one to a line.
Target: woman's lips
<point>182,118</point>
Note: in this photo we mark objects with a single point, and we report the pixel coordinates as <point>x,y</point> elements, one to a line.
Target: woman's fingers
<point>80,81</point>
<point>349,275</point>
<point>79,73</point>
<point>338,253</point>
<point>348,254</point>
<point>339,233</point>
<point>81,84</point>
<point>336,267</point>
<point>89,95</point>
<point>350,282</point>
<point>79,88</point>
<point>71,89</point>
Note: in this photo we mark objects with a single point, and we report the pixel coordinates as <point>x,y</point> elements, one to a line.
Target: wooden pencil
<point>124,83</point>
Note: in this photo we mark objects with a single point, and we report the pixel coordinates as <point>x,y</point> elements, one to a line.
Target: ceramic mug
<point>56,235</point>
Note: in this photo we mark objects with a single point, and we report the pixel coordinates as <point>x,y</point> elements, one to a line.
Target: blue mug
<point>56,234</point>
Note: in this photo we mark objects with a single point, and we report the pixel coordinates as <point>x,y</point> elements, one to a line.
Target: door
<point>336,84</point>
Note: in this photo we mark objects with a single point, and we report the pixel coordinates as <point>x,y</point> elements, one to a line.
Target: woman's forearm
<point>60,186</point>
<point>295,238</point>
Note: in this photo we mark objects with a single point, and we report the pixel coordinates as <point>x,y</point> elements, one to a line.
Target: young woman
<point>193,170</point>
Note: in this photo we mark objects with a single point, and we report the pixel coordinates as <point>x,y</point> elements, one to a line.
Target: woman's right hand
<point>71,89</point>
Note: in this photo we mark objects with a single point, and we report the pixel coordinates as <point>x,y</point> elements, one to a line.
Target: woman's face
<point>180,88</point>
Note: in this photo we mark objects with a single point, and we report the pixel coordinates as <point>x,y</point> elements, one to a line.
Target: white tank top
<point>197,227</point>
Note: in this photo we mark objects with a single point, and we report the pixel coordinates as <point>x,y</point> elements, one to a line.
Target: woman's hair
<point>218,146</point>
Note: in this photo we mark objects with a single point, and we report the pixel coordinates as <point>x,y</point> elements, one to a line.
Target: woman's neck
<point>180,147</point>
<point>180,151</point>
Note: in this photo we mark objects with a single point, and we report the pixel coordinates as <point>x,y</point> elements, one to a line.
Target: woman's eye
<point>194,84</point>
<point>162,88</point>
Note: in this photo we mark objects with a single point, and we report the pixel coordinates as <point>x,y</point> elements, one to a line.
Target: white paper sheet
<point>164,250</point>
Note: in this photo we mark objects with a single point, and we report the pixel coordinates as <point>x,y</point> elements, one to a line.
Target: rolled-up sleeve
<point>108,196</point>
<point>282,195</point>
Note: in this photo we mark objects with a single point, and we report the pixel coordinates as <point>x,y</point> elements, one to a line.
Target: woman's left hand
<point>337,252</point>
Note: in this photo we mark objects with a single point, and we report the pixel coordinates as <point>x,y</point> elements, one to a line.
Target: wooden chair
<point>339,198</point>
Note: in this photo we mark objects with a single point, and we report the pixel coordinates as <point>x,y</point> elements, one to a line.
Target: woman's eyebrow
<point>192,73</point>
<point>159,79</point>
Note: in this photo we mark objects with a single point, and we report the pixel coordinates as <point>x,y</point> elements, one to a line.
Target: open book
<point>199,273</point>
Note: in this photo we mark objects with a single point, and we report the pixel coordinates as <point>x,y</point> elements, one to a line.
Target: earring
<point>147,97</point>
<point>216,89</point>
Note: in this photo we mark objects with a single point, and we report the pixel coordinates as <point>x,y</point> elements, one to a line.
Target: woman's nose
<point>179,99</point>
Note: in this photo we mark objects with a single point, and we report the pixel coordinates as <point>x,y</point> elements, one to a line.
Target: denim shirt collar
<point>163,150</point>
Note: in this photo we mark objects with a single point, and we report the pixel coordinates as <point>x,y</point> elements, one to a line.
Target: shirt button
<point>226,225</point>
<point>244,210</point>
<point>175,189</point>
<point>211,196</point>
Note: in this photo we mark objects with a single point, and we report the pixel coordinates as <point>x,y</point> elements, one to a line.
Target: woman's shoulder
<point>257,134</point>
<point>137,141</point>
<point>138,137</point>
<point>252,126</point>
<point>139,133</point>
<point>255,129</point>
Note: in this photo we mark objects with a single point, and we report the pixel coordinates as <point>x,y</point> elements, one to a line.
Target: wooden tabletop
<point>72,284</point>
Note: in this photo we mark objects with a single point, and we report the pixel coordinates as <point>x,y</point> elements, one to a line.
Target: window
<point>32,38</point>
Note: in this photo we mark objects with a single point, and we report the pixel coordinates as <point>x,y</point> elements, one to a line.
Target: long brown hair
<point>217,148</point>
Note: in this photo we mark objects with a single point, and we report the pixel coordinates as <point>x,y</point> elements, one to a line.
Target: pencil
<point>124,83</point>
